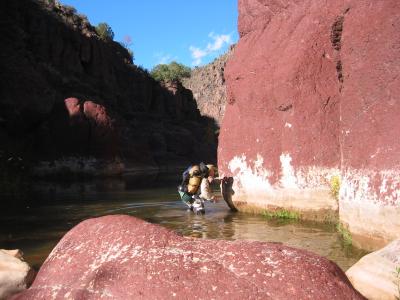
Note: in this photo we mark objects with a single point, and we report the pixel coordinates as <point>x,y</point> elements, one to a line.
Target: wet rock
<point>121,257</point>
<point>15,274</point>
<point>377,275</point>
<point>306,105</point>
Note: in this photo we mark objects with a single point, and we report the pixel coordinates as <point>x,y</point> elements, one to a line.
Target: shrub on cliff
<point>105,32</point>
<point>170,72</point>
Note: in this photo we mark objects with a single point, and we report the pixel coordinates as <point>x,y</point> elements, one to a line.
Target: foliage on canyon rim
<point>105,32</point>
<point>170,72</point>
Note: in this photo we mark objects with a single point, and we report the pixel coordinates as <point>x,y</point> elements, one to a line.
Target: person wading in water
<point>195,186</point>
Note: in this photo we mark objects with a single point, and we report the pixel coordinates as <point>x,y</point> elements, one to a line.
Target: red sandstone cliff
<point>67,94</point>
<point>313,92</point>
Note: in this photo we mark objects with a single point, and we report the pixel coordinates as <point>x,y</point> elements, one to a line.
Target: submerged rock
<point>15,274</point>
<point>377,275</point>
<point>121,257</point>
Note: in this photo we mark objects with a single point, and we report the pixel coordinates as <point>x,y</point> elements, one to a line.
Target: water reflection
<point>37,223</point>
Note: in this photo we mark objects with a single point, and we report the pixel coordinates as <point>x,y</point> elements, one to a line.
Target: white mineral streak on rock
<point>271,262</point>
<point>251,180</point>
<point>288,180</point>
<point>54,290</point>
<point>66,295</point>
<point>370,204</point>
<point>357,186</point>
<point>136,251</point>
<point>111,254</point>
<point>302,188</point>
<point>256,178</point>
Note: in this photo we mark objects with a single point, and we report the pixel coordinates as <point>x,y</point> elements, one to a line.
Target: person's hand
<point>211,199</point>
<point>210,179</point>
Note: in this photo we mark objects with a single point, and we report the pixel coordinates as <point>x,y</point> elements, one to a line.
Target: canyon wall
<point>207,84</point>
<point>313,98</point>
<point>70,100</point>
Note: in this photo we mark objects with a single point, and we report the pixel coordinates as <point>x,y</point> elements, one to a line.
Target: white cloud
<point>163,58</point>
<point>218,42</point>
<point>197,55</point>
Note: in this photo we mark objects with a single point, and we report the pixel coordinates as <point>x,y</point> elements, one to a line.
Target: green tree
<point>105,32</point>
<point>169,72</point>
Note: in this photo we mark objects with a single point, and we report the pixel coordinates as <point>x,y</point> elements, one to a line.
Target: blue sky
<point>192,32</point>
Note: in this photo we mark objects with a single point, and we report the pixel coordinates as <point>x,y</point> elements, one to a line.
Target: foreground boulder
<point>121,257</point>
<point>377,275</point>
<point>15,274</point>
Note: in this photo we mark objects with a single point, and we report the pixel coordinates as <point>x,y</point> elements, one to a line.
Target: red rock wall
<point>50,53</point>
<point>312,95</point>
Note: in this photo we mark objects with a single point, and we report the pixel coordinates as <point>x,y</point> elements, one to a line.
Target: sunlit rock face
<point>377,275</point>
<point>15,274</point>
<point>121,257</point>
<point>207,84</point>
<point>313,93</point>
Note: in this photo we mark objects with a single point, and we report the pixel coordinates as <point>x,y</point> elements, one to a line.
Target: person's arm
<point>185,177</point>
<point>205,189</point>
<point>216,180</point>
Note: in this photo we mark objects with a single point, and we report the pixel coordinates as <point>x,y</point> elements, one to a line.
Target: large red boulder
<point>121,257</point>
<point>313,97</point>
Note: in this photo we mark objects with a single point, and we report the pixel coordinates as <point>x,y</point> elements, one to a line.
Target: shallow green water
<point>37,223</point>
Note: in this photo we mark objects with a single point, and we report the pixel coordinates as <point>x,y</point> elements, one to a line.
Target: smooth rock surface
<point>121,257</point>
<point>377,275</point>
<point>313,94</point>
<point>15,274</point>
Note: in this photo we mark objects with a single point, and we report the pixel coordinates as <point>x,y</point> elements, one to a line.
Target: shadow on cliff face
<point>50,54</point>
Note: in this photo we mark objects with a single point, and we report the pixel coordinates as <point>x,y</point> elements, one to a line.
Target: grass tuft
<point>281,214</point>
<point>335,186</point>
<point>345,234</point>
